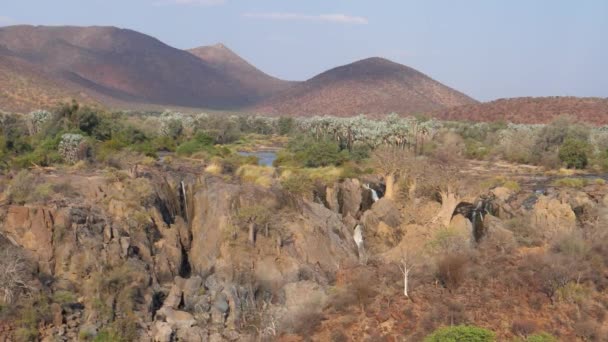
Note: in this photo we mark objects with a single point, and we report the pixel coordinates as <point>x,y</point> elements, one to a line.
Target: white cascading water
<point>375,197</point>
<point>358,236</point>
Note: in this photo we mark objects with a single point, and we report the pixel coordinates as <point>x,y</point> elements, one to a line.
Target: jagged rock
<point>212,207</point>
<point>33,228</point>
<point>383,210</point>
<point>218,316</point>
<point>553,216</point>
<point>191,289</point>
<point>501,193</point>
<point>462,226</point>
<point>216,337</point>
<point>173,298</point>
<point>177,318</point>
<point>57,313</point>
<point>497,236</point>
<point>193,334</point>
<point>221,303</point>
<point>349,197</point>
<point>162,332</point>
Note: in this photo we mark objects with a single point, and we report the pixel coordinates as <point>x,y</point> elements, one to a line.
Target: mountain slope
<point>226,61</point>
<point>125,65</point>
<point>531,110</point>
<point>25,87</point>
<point>371,86</point>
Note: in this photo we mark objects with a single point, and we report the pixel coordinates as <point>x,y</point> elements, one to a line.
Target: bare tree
<point>405,268</point>
<point>406,265</point>
<point>394,163</point>
<point>13,274</point>
<point>451,186</point>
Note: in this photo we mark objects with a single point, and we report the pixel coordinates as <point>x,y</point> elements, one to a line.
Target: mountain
<point>372,86</point>
<point>226,61</point>
<point>24,86</point>
<point>125,65</point>
<point>531,110</point>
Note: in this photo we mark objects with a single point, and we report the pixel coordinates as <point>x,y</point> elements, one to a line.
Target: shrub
<point>541,337</point>
<point>285,125</point>
<point>451,270</point>
<point>523,327</point>
<point>21,187</point>
<point>297,184</point>
<point>73,147</point>
<point>461,333</point>
<point>201,142</point>
<point>570,182</point>
<point>260,175</point>
<point>573,153</point>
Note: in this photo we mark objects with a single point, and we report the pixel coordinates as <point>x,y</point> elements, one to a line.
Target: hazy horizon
<point>488,49</point>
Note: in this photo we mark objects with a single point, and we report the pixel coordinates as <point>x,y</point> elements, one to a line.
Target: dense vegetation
<point>520,263</point>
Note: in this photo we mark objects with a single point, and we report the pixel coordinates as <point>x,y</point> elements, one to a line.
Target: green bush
<point>570,182</point>
<point>541,337</point>
<point>307,152</point>
<point>201,142</point>
<point>461,333</point>
<point>573,153</point>
<point>475,149</point>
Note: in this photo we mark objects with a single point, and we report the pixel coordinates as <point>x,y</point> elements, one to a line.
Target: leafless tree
<point>394,163</point>
<point>13,274</point>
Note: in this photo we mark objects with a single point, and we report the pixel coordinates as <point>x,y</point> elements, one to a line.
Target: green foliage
<point>307,152</point>
<point>286,125</point>
<point>201,142</point>
<point>570,182</point>
<point>461,333</point>
<point>541,337</point>
<point>475,149</point>
<point>64,297</point>
<point>297,184</point>
<point>573,153</point>
<point>33,311</point>
<point>553,135</point>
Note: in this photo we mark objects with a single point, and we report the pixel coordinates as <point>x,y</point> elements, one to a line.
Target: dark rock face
<point>193,278</point>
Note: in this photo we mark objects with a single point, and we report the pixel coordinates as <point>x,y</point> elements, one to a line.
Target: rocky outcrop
<point>553,217</point>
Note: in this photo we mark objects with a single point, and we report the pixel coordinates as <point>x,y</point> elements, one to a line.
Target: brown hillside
<point>531,110</point>
<point>372,86</point>
<point>226,61</point>
<point>125,65</point>
<point>25,87</point>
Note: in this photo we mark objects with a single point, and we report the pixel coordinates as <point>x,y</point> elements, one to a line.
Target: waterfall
<point>185,200</point>
<point>358,236</point>
<point>375,197</point>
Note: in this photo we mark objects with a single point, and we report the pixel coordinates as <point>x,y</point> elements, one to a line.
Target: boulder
<point>502,194</point>
<point>162,332</point>
<point>350,197</point>
<point>553,216</point>
<point>383,210</point>
<point>497,236</point>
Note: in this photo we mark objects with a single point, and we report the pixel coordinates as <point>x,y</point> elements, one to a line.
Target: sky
<point>488,49</point>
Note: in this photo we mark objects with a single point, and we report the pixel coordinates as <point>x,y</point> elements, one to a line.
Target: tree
<point>406,267</point>
<point>573,152</point>
<point>13,274</point>
<point>393,163</point>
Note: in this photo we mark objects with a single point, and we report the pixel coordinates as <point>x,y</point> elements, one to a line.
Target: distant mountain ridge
<point>126,65</point>
<point>40,66</point>
<point>373,86</point>
<point>531,110</point>
<point>226,61</point>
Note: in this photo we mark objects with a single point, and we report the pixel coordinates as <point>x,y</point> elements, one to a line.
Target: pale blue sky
<point>486,48</point>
